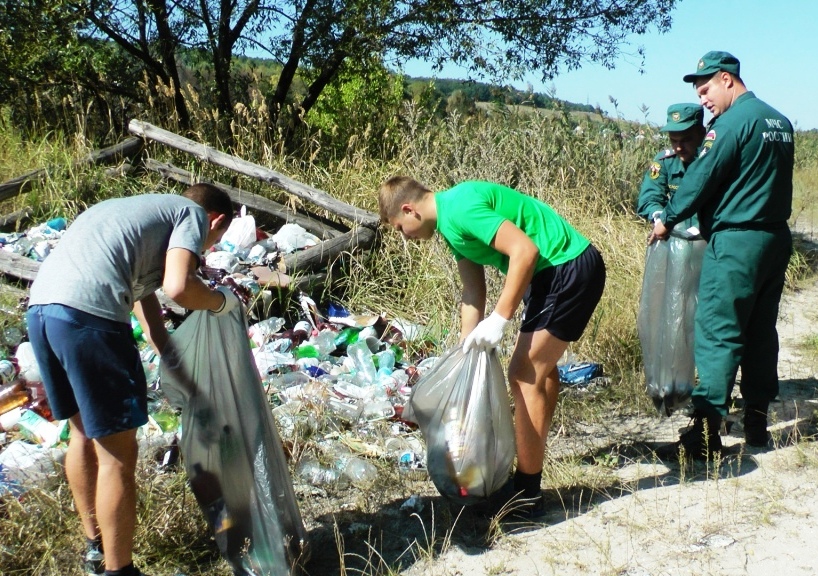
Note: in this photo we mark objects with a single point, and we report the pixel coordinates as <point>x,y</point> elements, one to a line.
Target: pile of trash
<point>336,382</point>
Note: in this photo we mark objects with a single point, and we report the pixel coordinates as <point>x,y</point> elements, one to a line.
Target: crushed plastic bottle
<point>361,356</point>
<point>386,361</point>
<point>379,410</point>
<point>262,332</point>
<point>359,471</point>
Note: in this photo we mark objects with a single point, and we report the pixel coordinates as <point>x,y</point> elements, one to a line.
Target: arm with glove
<point>188,290</point>
<point>523,254</point>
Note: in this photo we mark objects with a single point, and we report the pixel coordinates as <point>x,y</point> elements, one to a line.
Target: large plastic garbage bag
<point>232,451</point>
<point>462,407</point>
<point>665,321</point>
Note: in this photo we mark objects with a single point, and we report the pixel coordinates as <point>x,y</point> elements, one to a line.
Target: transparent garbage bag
<point>461,405</point>
<point>665,321</point>
<point>232,451</point>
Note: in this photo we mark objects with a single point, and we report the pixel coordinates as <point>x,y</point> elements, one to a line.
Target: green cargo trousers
<point>739,292</point>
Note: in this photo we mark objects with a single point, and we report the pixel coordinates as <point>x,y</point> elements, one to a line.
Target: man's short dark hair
<point>212,199</point>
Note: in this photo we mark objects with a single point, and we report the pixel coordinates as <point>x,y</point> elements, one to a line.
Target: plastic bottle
<point>386,361</point>
<point>311,471</point>
<point>306,351</point>
<point>346,337</point>
<point>29,370</point>
<point>362,358</point>
<point>13,396</point>
<point>57,224</point>
<point>137,329</point>
<point>359,471</point>
<point>345,410</point>
<point>325,342</point>
<point>8,371</point>
<point>9,420</point>
<point>379,410</point>
<point>263,331</point>
<point>208,492</point>
<point>12,336</point>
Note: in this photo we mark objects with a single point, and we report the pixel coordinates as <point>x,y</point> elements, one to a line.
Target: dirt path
<point>756,513</point>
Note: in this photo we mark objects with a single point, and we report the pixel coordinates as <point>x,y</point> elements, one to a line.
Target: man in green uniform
<point>741,188</point>
<point>685,129</point>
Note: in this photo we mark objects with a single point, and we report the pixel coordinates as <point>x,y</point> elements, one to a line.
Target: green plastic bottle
<point>306,351</point>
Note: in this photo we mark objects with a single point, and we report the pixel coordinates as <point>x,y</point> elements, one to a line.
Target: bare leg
<point>535,385</point>
<point>81,469</point>
<point>116,496</point>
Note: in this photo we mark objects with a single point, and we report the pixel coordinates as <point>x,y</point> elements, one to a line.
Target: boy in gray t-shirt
<point>110,262</point>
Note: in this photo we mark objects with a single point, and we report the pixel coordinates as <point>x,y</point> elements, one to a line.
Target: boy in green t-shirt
<point>548,265</point>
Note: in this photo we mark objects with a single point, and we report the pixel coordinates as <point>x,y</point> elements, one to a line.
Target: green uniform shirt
<point>469,215</point>
<point>742,178</point>
<point>660,183</point>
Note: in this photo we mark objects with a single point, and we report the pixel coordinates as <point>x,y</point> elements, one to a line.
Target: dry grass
<point>590,176</point>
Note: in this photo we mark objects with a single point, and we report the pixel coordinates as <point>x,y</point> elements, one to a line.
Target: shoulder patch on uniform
<point>706,145</point>
<point>711,135</point>
<point>654,170</point>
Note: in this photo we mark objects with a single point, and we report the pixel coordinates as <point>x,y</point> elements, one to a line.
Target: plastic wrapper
<point>665,322</point>
<point>462,407</point>
<point>231,449</point>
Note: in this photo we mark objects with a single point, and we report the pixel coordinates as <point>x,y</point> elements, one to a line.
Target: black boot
<point>702,440</point>
<point>755,425</point>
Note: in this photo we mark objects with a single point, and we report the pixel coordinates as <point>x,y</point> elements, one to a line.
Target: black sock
<point>128,570</point>
<point>528,483</point>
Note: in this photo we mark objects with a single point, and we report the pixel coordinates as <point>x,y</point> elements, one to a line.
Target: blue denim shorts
<point>91,366</point>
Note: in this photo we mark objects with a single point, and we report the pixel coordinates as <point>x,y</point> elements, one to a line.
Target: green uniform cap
<point>713,62</point>
<point>683,116</point>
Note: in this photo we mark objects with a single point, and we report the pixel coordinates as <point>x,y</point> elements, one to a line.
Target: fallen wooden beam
<point>12,219</point>
<point>208,154</point>
<point>309,260</point>
<point>319,256</point>
<point>18,266</point>
<point>126,149</point>
<point>252,201</point>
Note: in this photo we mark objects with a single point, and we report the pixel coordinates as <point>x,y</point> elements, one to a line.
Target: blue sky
<point>776,42</point>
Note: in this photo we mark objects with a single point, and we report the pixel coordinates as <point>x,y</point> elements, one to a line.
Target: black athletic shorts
<point>561,299</point>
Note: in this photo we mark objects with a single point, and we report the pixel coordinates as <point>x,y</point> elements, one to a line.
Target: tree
<point>313,39</point>
<point>496,38</point>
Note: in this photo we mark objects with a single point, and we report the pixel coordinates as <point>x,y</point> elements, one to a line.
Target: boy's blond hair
<point>395,192</point>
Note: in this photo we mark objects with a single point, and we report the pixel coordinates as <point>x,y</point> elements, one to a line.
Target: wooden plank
<point>309,260</point>
<point>125,149</point>
<point>208,154</point>
<point>13,187</point>
<point>319,256</point>
<point>253,201</point>
<point>18,266</point>
<point>10,220</point>
<point>128,148</point>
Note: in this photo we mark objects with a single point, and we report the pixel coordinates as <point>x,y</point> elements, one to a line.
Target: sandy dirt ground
<point>753,513</point>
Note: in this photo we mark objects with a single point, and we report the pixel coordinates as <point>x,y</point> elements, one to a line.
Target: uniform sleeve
<point>718,155</point>
<point>654,192</point>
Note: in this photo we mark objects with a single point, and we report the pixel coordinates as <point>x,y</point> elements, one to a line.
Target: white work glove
<point>231,301</point>
<point>487,334</point>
